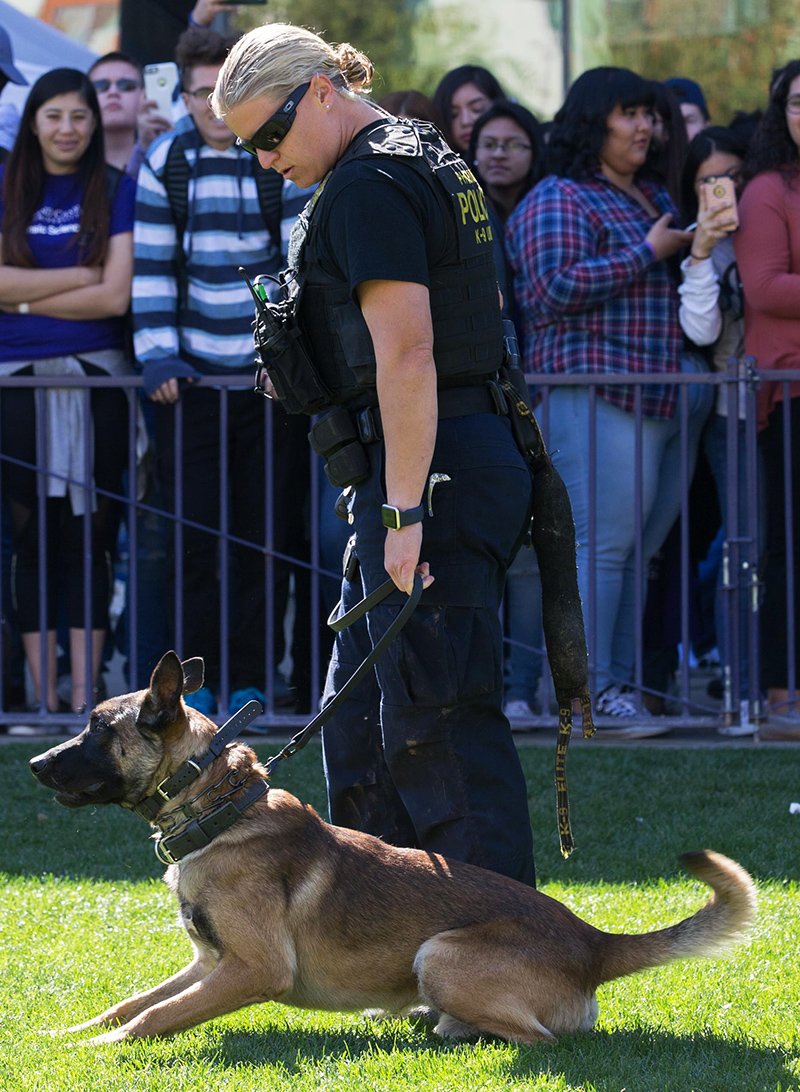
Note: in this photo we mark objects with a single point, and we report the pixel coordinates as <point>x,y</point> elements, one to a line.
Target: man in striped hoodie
<point>200,216</point>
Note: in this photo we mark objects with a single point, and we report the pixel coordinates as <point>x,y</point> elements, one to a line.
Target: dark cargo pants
<point>422,755</point>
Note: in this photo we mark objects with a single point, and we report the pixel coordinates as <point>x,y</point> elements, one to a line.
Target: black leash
<point>338,624</point>
<point>201,831</point>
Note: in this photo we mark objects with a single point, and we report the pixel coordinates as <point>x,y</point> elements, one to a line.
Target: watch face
<point>390,517</point>
<point>395,518</point>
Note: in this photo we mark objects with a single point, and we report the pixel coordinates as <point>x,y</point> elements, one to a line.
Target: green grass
<point>85,921</point>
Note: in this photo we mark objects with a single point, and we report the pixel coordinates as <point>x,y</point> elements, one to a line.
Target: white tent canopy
<point>38,48</point>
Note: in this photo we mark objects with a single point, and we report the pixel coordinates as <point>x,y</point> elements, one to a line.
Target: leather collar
<point>201,832</point>
<point>193,767</point>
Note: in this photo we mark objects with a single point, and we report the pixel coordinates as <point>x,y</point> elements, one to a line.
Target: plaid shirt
<point>589,295</point>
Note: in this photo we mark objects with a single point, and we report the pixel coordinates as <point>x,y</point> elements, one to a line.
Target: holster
<point>334,436</point>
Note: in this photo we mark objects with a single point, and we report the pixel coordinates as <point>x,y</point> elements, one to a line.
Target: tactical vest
<point>467,327</point>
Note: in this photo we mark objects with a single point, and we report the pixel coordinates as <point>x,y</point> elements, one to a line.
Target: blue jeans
<point>612,556</point>
<point>523,603</point>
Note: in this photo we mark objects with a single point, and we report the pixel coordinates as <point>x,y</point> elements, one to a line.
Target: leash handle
<point>365,605</point>
<point>358,611</point>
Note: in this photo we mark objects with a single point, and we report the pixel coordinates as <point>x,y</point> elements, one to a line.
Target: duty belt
<point>452,402</point>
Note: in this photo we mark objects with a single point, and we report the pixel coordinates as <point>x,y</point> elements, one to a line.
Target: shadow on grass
<point>633,813</point>
<point>652,1059</point>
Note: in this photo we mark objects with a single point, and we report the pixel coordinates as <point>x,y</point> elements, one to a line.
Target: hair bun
<point>355,67</point>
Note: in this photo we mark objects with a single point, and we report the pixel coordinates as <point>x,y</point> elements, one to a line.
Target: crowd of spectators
<point>613,259</point>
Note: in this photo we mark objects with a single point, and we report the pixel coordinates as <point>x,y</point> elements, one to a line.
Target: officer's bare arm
<point>397,314</point>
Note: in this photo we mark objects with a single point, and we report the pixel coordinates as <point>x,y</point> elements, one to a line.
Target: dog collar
<point>201,832</point>
<point>191,770</point>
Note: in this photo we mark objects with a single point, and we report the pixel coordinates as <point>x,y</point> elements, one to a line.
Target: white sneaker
<point>520,714</point>
<point>31,730</point>
<point>745,727</point>
<point>617,701</point>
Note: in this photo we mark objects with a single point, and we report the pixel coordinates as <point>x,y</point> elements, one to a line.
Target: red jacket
<point>768,255</point>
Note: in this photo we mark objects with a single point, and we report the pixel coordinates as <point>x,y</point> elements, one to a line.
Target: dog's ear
<point>193,672</point>
<point>160,706</point>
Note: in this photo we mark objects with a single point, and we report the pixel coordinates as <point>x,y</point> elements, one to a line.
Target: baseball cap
<point>7,60</point>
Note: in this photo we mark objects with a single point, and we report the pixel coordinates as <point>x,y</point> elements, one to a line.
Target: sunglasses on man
<point>127,83</point>
<point>277,125</point>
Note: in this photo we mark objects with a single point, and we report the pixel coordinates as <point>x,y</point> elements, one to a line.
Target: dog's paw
<point>380,1015</point>
<point>375,1014</point>
<point>424,1013</point>
<point>450,1028</point>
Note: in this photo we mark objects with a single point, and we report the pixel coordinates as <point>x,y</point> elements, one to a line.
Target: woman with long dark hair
<point>669,144</point>
<point>768,255</point>
<point>506,151</point>
<point>506,148</point>
<point>460,98</point>
<point>589,247</point>
<point>66,254</point>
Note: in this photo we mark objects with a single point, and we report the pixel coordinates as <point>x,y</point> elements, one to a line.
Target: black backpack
<point>175,179</point>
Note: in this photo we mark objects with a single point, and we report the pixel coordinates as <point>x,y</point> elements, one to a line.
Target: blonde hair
<point>277,57</point>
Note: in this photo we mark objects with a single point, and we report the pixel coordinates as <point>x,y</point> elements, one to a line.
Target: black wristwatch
<point>395,518</point>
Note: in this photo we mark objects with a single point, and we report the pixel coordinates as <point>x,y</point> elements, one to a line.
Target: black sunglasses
<point>125,84</point>
<point>276,126</point>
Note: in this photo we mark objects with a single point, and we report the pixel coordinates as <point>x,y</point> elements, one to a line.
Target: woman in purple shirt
<point>66,255</point>
<point>588,246</point>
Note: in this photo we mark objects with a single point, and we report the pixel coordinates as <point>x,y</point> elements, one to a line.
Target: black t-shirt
<point>384,221</point>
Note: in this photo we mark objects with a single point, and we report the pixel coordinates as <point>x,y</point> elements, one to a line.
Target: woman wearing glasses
<point>397,259</point>
<point>768,254</point>
<point>506,151</point>
<point>67,254</point>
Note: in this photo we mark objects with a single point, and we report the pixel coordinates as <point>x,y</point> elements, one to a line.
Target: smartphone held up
<point>721,193</point>
<point>160,81</point>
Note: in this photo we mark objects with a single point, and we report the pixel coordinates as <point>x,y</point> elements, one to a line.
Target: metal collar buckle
<point>164,854</point>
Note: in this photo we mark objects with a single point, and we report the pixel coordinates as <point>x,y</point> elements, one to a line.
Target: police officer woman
<point>397,305</point>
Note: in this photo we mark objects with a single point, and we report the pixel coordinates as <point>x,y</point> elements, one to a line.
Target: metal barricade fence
<point>152,585</point>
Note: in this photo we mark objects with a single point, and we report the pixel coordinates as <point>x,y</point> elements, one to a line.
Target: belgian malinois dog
<point>281,906</point>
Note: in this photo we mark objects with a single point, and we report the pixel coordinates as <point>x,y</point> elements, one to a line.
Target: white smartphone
<point>160,81</point>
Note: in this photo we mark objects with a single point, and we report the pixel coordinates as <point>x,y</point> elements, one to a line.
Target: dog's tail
<point>722,922</point>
